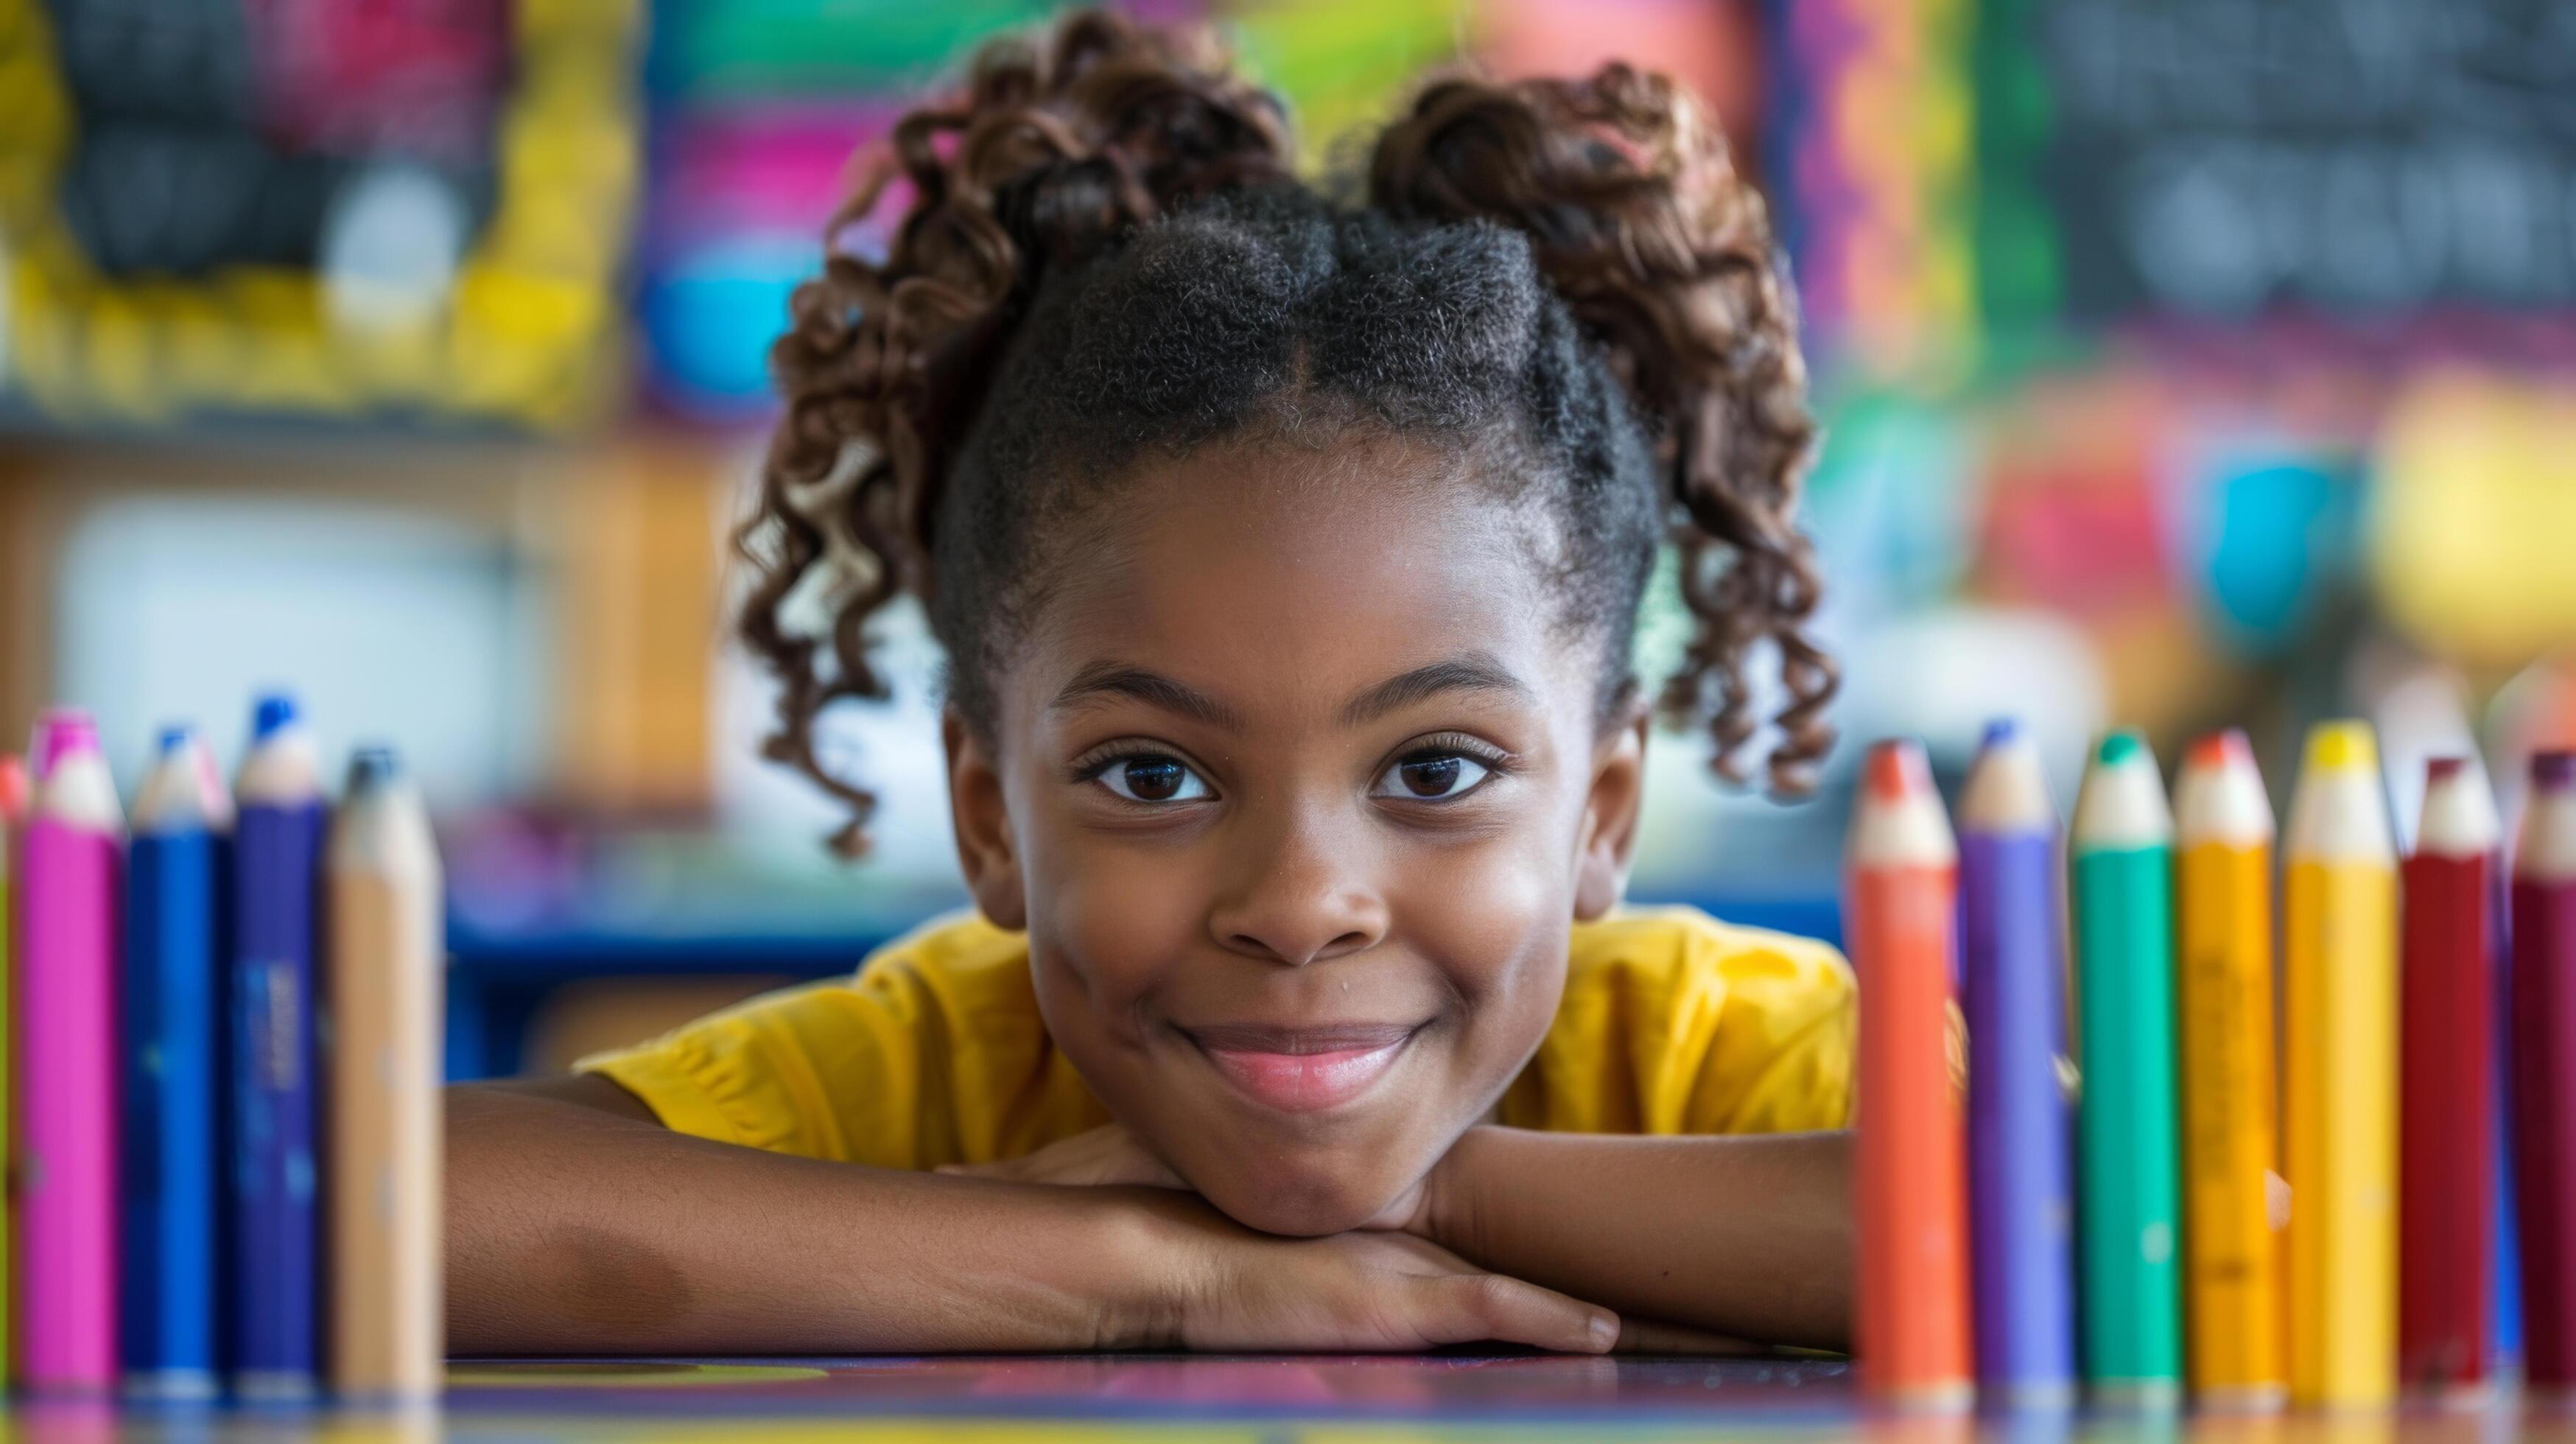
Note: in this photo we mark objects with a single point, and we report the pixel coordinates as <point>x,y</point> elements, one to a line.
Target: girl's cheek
<point>1487,911</point>
<point>1113,916</point>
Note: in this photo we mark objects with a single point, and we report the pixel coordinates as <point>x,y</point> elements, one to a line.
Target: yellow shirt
<point>1672,1022</point>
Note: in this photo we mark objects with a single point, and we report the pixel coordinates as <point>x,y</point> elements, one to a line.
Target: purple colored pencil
<point>67,1066</point>
<point>2544,1094</point>
<point>2019,1198</point>
<point>276,1338</point>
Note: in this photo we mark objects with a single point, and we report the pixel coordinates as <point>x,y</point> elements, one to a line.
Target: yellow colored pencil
<point>2341,956</point>
<point>2232,1268</point>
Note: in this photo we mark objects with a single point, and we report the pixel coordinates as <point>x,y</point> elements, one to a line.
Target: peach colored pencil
<point>386,950</point>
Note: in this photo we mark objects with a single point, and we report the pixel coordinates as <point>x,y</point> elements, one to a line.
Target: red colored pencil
<point>2446,1181</point>
<point>2544,1062</point>
<point>1911,1170</point>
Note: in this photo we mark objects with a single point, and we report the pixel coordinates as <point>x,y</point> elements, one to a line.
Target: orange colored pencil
<point>1911,1174</point>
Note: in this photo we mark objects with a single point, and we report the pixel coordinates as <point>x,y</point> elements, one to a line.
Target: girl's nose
<point>1294,903</point>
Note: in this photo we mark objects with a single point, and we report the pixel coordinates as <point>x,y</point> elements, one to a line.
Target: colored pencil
<point>2341,1075</point>
<point>2446,1067</point>
<point>14,798</point>
<point>66,1165</point>
<point>2232,1266</point>
<point>13,821</point>
<point>2544,1056</point>
<point>387,1321</point>
<point>173,1073</point>
<point>2129,1187</point>
<point>275,1218</point>
<point>2013,972</point>
<point>2506,1268</point>
<point>1912,1322</point>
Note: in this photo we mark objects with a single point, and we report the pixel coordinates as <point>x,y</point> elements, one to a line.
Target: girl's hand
<point>1109,1156</point>
<point>1233,1289</point>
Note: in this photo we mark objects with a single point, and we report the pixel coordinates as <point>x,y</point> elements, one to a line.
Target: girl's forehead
<point>1299,571</point>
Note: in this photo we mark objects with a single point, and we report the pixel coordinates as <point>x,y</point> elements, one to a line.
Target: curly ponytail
<point>1664,255</point>
<point>1042,160</point>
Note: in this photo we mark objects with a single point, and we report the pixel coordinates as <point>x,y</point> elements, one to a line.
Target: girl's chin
<point>1303,1205</point>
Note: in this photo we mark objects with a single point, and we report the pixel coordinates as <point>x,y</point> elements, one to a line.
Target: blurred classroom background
<point>2184,364</point>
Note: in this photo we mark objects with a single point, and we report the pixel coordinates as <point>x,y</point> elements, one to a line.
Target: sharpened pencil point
<point>1897,768</point>
<point>2552,771</point>
<point>2342,746</point>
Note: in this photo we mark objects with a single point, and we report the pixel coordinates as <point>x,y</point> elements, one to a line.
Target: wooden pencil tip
<point>2458,817</point>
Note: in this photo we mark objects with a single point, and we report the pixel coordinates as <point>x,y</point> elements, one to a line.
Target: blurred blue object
<point>2278,539</point>
<point>712,315</point>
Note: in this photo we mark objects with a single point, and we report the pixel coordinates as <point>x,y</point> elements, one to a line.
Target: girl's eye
<point>1432,776</point>
<point>1153,779</point>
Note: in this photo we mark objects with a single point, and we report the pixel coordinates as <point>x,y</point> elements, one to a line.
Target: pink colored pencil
<point>67,1074</point>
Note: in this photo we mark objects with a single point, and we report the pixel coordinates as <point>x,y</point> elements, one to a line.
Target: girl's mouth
<point>1303,1070</point>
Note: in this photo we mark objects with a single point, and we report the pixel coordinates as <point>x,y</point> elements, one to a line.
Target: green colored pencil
<point>2129,1151</point>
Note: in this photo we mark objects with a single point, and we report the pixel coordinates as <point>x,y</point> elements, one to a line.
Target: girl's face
<point>1299,788</point>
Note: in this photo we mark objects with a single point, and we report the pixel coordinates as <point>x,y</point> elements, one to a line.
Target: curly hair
<point>1104,255</point>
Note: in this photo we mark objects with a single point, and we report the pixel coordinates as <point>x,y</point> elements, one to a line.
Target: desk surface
<point>1252,1399</point>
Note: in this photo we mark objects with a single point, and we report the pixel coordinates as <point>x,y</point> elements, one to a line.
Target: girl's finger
<point>1472,1307</point>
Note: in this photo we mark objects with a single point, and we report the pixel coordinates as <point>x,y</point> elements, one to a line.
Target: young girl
<point>1285,551</point>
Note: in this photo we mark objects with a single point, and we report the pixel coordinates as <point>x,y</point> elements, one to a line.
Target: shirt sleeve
<point>933,1053</point>
<point>829,1070</point>
<point>1780,1059</point>
<point>1673,1022</point>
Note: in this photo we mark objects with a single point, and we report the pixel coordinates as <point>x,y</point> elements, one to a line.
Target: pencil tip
<point>60,733</point>
<point>2553,770</point>
<point>274,712</point>
<point>1897,769</point>
<point>2228,748</point>
<point>2342,746</point>
<point>2119,747</point>
<point>371,768</point>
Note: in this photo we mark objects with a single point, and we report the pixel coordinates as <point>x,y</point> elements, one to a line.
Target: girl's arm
<point>1748,1235</point>
<point>576,1224</point>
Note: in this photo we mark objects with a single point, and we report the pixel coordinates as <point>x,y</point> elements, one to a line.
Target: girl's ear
<point>1610,817</point>
<point>983,825</point>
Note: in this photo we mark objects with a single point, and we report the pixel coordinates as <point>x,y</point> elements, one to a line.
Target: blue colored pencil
<point>276,1225</point>
<point>2508,1225</point>
<point>173,1075</point>
<point>2020,1209</point>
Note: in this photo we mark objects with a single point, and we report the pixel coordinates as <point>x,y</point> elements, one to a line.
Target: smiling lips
<point>1303,1070</point>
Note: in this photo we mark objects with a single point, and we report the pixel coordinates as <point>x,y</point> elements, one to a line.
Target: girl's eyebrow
<point>1472,672</point>
<point>1104,680</point>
